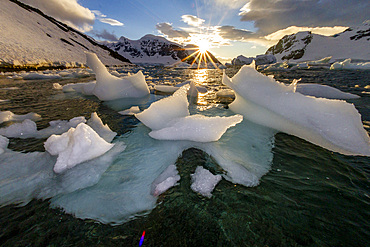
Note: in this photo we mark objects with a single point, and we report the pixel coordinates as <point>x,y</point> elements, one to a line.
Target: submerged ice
<point>332,124</point>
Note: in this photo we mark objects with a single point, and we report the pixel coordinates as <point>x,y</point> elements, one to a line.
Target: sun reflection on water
<point>200,77</point>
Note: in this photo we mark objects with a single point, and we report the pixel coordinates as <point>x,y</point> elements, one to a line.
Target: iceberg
<point>110,87</point>
<point>76,146</point>
<point>204,182</point>
<point>333,124</point>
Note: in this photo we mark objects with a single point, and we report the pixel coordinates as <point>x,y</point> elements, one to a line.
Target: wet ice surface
<point>275,204</point>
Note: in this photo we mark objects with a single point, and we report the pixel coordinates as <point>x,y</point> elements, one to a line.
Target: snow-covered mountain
<point>30,38</point>
<point>153,49</point>
<point>305,46</point>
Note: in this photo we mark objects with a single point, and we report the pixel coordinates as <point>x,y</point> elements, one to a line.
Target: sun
<point>203,45</point>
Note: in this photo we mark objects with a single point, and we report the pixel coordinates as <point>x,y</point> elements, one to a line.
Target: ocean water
<point>310,197</point>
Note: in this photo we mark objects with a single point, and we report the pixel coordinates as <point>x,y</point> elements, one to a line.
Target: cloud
<point>105,35</point>
<point>67,11</point>
<point>98,13</point>
<point>270,15</point>
<point>111,21</point>
<point>167,29</point>
<point>232,4</point>
<point>192,20</point>
<point>102,18</point>
<point>234,34</point>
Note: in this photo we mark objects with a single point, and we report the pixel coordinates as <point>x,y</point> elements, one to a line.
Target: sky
<point>227,28</point>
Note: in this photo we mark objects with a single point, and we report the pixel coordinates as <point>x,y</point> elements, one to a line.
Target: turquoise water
<point>311,196</point>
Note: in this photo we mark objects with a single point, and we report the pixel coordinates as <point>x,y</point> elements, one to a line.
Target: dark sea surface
<point>310,197</point>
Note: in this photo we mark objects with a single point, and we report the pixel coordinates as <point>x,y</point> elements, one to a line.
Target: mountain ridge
<point>352,43</point>
<point>155,50</point>
<point>31,38</point>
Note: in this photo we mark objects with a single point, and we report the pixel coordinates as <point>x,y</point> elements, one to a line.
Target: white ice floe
<point>6,116</point>
<point>196,128</point>
<point>132,111</point>
<point>332,124</point>
<point>161,112</point>
<point>110,87</point>
<point>76,146</point>
<point>225,93</point>
<point>204,182</point>
<point>86,88</point>
<point>165,88</point>
<point>167,179</point>
<point>323,91</point>
<point>169,118</point>
<point>28,128</point>
<point>57,86</point>
<point>25,129</point>
<point>346,64</point>
<point>39,76</point>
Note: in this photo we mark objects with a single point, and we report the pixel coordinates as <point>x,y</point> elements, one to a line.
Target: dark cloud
<point>105,35</point>
<point>232,33</point>
<point>167,29</point>
<point>272,15</point>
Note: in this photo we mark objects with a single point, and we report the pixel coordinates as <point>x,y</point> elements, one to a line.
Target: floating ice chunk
<point>57,86</point>
<point>196,128</point>
<point>167,179</point>
<point>132,111</point>
<point>109,87</point>
<point>37,76</point>
<point>346,64</point>
<point>332,124</point>
<point>6,116</point>
<point>86,88</point>
<point>165,88</point>
<point>161,112</point>
<point>225,93</point>
<point>203,181</point>
<point>101,129</point>
<point>323,91</point>
<point>3,144</point>
<point>18,130</point>
<point>76,146</point>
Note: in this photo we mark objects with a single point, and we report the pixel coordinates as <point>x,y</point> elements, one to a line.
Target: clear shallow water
<point>311,196</point>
